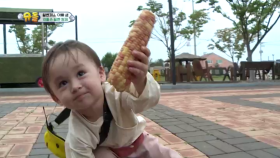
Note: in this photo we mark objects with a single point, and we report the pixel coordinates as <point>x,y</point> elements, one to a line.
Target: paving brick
<point>152,117</point>
<point>171,123</point>
<point>223,146</point>
<point>40,138</point>
<point>38,156</point>
<point>181,116</point>
<point>39,146</point>
<point>181,146</point>
<point>171,139</point>
<point>5,149</point>
<point>199,138</point>
<point>19,136</point>
<point>172,112</point>
<point>165,120</point>
<point>61,130</point>
<point>261,154</point>
<point>273,151</point>
<point>188,128</point>
<point>253,146</point>
<point>206,148</point>
<point>232,133</point>
<point>34,129</point>
<point>199,119</point>
<point>219,134</point>
<point>3,132</point>
<point>234,155</point>
<point>17,130</point>
<point>242,140</point>
<point>268,139</point>
<point>191,134</point>
<point>211,127</point>
<point>163,116</point>
<point>174,129</point>
<point>206,123</point>
<point>20,150</point>
<point>62,134</point>
<point>187,120</point>
<point>190,153</point>
<point>40,152</point>
<point>52,156</point>
<point>6,128</point>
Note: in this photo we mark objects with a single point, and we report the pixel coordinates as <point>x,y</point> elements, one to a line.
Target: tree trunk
<point>252,76</point>
<point>18,44</point>
<point>234,72</point>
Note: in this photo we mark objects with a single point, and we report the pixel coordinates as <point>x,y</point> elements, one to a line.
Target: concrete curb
<point>218,85</point>
<point>171,87</point>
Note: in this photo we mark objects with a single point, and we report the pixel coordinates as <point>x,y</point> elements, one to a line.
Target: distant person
<point>74,77</point>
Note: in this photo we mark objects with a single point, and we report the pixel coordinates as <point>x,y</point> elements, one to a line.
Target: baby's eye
<point>62,83</point>
<point>81,73</point>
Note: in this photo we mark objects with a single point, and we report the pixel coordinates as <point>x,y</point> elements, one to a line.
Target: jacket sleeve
<point>149,97</point>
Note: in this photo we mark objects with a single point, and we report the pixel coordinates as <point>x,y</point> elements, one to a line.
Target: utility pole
<point>172,43</point>
<point>194,31</point>
<point>261,50</point>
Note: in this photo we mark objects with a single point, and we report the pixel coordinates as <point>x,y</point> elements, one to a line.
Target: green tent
<point>19,68</point>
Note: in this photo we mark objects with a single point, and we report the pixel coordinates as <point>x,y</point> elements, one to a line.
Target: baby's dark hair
<point>65,47</point>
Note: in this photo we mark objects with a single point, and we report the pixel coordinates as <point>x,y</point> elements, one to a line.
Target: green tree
<point>254,19</point>
<point>108,60</point>
<point>230,42</point>
<point>158,62</point>
<point>182,32</point>
<point>32,43</point>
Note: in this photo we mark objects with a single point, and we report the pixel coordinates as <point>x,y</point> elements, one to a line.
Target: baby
<point>74,77</point>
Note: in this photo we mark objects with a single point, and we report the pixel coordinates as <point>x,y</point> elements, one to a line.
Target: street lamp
<point>172,43</point>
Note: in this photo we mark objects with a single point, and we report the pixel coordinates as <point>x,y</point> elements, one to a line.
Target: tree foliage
<point>32,43</point>
<point>108,60</point>
<point>230,42</point>
<point>182,32</point>
<point>254,19</point>
<point>158,62</point>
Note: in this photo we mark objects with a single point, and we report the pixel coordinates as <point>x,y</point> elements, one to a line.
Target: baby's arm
<point>147,99</point>
<point>100,152</point>
<point>78,150</point>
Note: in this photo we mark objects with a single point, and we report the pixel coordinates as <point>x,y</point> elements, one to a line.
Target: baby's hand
<point>139,68</point>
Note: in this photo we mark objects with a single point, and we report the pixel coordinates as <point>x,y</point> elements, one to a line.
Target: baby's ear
<point>102,74</point>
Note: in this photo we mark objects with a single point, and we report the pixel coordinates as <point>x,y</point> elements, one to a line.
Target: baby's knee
<point>102,152</point>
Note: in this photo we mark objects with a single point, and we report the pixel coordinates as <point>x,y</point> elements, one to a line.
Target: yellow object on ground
<point>156,74</point>
<point>197,78</point>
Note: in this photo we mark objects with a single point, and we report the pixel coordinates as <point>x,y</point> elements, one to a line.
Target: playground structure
<point>190,68</point>
<point>22,68</point>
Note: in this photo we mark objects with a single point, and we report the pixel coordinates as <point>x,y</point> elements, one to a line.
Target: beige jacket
<point>125,128</point>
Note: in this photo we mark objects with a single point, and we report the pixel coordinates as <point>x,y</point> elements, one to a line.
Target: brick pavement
<point>254,127</point>
<point>195,125</point>
<point>22,129</point>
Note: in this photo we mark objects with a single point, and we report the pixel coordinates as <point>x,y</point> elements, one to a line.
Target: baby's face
<point>76,81</point>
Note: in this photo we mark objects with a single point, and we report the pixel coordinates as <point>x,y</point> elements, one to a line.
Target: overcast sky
<point>103,25</point>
